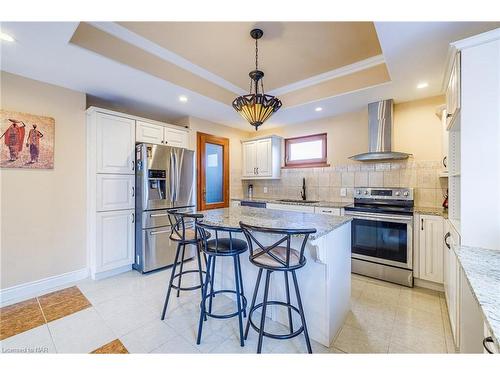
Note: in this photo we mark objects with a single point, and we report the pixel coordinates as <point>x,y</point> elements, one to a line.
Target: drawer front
<point>115,192</point>
<point>291,207</point>
<point>327,211</point>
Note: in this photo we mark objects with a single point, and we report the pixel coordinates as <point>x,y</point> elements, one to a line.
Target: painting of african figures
<point>26,141</point>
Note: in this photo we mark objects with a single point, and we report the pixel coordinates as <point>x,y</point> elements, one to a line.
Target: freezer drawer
<point>158,250</point>
<point>154,219</point>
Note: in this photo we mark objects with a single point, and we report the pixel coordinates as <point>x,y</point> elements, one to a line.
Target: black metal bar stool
<point>183,223</point>
<point>277,257</point>
<point>221,247</point>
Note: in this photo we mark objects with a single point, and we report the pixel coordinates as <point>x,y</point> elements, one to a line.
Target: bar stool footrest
<point>187,288</point>
<point>272,335</point>
<point>224,316</point>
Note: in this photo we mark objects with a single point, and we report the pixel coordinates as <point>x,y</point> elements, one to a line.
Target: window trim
<point>307,163</point>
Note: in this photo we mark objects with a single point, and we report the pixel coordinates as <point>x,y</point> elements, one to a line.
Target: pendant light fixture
<point>257,106</point>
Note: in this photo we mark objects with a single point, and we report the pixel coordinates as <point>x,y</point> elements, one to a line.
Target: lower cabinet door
<point>115,239</point>
<point>115,192</point>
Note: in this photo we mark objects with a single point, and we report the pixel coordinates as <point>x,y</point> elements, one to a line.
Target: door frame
<point>201,139</point>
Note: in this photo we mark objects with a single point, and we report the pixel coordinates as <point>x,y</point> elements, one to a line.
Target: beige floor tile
<point>354,340</point>
<point>419,339</point>
<point>36,341</point>
<point>148,337</point>
<point>381,293</point>
<point>432,322</point>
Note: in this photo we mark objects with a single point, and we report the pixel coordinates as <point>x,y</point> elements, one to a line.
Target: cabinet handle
<point>446,240</point>
<point>448,115</point>
<point>133,191</point>
<point>257,170</point>
<point>485,341</point>
<point>133,218</point>
<point>133,165</point>
<point>445,160</point>
<point>422,224</point>
<point>327,211</point>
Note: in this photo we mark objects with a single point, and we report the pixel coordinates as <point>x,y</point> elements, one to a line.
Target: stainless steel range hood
<point>380,117</point>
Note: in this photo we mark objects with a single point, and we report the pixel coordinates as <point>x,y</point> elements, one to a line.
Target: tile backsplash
<point>326,183</point>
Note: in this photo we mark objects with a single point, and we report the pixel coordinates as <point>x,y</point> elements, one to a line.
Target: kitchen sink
<point>296,201</point>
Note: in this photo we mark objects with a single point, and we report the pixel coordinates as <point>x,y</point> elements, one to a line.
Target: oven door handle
<point>390,218</point>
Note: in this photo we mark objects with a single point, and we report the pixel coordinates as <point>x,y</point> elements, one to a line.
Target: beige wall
<point>417,130</point>
<point>43,211</point>
<point>235,136</point>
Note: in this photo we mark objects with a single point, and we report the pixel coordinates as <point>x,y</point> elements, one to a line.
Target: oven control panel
<point>384,193</point>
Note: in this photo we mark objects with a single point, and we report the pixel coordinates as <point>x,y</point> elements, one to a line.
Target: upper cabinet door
<point>149,133</point>
<point>453,92</point>
<point>249,159</point>
<point>175,137</point>
<point>115,144</point>
<point>264,157</point>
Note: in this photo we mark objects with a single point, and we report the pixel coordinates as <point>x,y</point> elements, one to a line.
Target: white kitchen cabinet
<point>158,133</point>
<point>235,204</point>
<point>114,240</point>
<point>175,137</point>
<point>261,158</point>
<point>451,270</point>
<point>430,248</point>
<point>146,132</point>
<point>290,207</point>
<point>115,192</point>
<point>471,319</point>
<point>115,138</point>
<point>444,143</point>
<point>453,92</point>
<point>328,211</point>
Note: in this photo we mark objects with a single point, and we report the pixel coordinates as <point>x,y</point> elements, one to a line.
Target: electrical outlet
<point>343,192</point>
<point>265,189</point>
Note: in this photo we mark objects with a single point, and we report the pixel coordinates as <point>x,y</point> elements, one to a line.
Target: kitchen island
<point>325,281</point>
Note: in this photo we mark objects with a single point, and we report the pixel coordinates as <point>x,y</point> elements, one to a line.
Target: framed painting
<point>26,140</point>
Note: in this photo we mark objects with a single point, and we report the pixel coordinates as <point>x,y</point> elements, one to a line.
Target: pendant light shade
<point>256,107</point>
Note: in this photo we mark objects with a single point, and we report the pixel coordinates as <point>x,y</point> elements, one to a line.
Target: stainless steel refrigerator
<point>165,179</point>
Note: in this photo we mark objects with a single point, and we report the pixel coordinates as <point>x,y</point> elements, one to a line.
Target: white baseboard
<point>428,285</point>
<point>34,288</point>
<point>113,272</point>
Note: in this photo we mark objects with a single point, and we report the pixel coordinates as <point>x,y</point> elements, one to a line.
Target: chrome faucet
<point>303,191</point>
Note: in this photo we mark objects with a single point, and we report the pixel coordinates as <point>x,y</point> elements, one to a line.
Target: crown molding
<point>476,40</point>
<point>335,73</point>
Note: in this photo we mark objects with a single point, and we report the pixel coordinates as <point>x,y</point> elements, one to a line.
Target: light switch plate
<point>343,192</point>
<point>265,189</point>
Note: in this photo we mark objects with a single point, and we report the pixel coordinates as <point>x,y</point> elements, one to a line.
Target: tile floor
<point>122,315</point>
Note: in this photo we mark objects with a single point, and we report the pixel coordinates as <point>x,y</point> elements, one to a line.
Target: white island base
<point>324,282</point>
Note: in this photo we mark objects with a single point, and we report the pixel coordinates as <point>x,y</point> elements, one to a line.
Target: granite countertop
<point>231,217</point>
<point>298,203</point>
<point>438,211</point>
<point>482,269</point>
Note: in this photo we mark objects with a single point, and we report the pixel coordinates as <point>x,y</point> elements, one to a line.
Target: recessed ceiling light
<point>318,109</point>
<point>183,98</point>
<point>6,37</point>
<point>422,85</point>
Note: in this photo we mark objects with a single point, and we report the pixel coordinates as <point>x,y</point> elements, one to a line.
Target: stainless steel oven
<point>382,234</point>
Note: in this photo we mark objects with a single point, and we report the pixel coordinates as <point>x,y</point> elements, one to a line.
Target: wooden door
<point>213,171</point>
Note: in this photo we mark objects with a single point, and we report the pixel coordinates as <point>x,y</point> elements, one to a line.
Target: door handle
<point>445,240</point>
<point>485,341</point>
<point>158,215</point>
<point>159,232</point>
<point>204,195</point>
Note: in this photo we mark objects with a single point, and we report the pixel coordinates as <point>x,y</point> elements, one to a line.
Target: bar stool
<point>221,247</point>
<point>183,223</point>
<point>280,259</point>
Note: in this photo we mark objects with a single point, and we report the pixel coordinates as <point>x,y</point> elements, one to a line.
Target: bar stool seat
<point>189,236</point>
<point>267,260</point>
<point>226,246</point>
